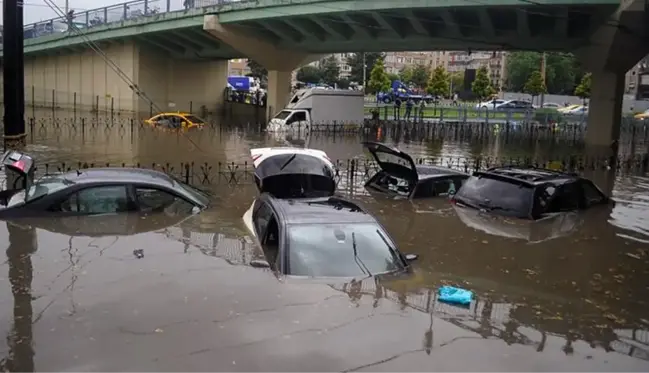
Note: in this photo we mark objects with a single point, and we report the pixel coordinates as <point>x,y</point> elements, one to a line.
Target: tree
<point>355,62</point>
<point>330,70</point>
<point>481,86</point>
<point>309,74</point>
<point>420,74</point>
<point>562,71</point>
<point>457,81</point>
<point>257,71</point>
<point>583,89</point>
<point>405,75</point>
<point>394,76</point>
<point>439,82</point>
<point>535,85</point>
<point>379,80</point>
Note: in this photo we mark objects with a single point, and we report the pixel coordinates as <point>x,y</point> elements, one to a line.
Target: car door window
<point>546,201</point>
<point>97,200</point>
<point>156,200</point>
<point>568,197</point>
<point>261,217</point>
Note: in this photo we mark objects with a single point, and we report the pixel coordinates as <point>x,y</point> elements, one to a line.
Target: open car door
<point>293,172</point>
<point>393,161</point>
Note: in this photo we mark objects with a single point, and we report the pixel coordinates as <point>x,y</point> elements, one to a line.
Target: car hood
<point>177,309</point>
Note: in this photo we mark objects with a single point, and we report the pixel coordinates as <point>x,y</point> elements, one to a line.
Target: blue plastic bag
<point>453,295</point>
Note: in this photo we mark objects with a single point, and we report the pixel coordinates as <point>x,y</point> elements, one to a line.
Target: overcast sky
<point>38,10</point>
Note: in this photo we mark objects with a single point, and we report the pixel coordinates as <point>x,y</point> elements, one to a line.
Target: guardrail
<point>114,13</point>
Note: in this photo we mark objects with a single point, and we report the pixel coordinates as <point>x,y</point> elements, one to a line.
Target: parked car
<point>515,105</point>
<point>579,110</point>
<point>643,115</point>
<point>568,108</point>
<point>323,237</point>
<point>527,192</point>
<point>95,192</point>
<point>491,104</point>
<point>399,176</point>
<point>552,105</point>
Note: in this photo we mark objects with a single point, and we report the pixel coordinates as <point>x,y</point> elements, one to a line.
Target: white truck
<point>322,107</point>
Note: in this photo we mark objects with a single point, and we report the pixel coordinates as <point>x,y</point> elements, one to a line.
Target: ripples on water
<point>575,302</point>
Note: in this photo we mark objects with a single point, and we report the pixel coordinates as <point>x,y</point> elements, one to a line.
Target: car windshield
<point>46,186</point>
<point>494,194</point>
<point>194,119</point>
<point>340,250</point>
<point>283,114</point>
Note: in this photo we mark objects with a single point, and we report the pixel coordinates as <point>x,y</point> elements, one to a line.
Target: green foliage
<point>355,61</point>
<point>439,82</point>
<point>329,70</point>
<point>393,76</point>
<point>309,74</point>
<point>343,83</point>
<point>562,71</point>
<point>547,116</point>
<point>405,75</point>
<point>535,85</point>
<point>379,80</point>
<point>420,74</point>
<point>257,71</point>
<point>583,89</point>
<point>481,86</point>
<point>457,81</point>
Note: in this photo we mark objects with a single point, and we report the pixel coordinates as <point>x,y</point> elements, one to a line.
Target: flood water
<point>566,295</point>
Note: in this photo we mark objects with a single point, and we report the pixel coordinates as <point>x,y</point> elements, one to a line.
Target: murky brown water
<point>569,294</point>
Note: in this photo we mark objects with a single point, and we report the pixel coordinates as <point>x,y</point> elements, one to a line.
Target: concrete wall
<point>86,82</point>
<point>83,79</point>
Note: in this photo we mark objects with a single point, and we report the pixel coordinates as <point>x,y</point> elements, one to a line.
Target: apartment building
<point>459,61</point>
<point>634,77</point>
<point>397,61</point>
<point>238,66</point>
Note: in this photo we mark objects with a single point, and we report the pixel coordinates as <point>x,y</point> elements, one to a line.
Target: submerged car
<point>95,192</point>
<point>323,237</point>
<point>175,121</point>
<point>399,176</point>
<point>527,192</point>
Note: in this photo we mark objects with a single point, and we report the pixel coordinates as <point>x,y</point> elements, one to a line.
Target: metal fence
<point>353,173</point>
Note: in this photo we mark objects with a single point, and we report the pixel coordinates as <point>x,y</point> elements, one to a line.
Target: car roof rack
<point>528,173</point>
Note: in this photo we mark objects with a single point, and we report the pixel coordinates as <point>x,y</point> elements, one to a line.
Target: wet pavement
<point>565,295</point>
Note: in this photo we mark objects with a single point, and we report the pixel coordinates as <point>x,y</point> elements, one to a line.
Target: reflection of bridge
<point>504,321</point>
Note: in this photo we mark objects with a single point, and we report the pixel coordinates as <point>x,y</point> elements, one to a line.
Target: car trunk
<point>295,175</point>
<point>393,161</point>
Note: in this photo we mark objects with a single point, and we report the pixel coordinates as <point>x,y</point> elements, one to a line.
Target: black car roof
<point>119,175</point>
<point>320,210</point>
<point>529,175</point>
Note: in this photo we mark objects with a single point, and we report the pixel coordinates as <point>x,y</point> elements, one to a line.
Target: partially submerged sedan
<point>323,237</point>
<point>95,192</point>
<point>528,192</point>
<point>304,230</point>
<point>399,176</point>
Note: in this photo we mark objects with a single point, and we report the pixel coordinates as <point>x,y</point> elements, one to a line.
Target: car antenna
<point>358,260</point>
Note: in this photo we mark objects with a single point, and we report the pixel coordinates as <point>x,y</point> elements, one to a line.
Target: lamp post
<point>13,74</point>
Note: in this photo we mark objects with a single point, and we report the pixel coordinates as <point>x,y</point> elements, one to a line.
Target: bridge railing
<point>114,13</point>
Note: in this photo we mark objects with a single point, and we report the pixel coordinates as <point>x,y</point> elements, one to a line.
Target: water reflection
<point>22,244</point>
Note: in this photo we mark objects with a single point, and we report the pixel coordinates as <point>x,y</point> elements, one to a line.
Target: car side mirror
<point>259,263</point>
<point>411,257</point>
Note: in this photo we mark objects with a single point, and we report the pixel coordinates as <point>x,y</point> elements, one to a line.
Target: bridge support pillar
<point>280,63</point>
<point>613,50</point>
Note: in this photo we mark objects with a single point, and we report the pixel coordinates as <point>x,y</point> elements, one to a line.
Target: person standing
<point>409,104</point>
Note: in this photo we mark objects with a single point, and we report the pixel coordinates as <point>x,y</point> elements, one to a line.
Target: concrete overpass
<point>181,56</point>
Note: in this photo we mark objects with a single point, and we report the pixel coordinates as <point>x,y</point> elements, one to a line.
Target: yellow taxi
<point>643,115</point>
<point>175,121</point>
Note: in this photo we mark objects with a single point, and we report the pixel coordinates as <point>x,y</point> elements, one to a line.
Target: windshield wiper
<point>358,260</point>
<point>289,160</point>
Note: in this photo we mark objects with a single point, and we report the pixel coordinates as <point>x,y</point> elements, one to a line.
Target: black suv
<point>527,192</point>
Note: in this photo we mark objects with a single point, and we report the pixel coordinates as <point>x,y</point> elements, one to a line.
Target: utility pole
<point>13,74</point>
<point>67,7</point>
<point>543,62</point>
<point>364,73</point>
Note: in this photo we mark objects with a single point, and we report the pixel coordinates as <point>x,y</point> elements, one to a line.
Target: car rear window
<point>493,193</point>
